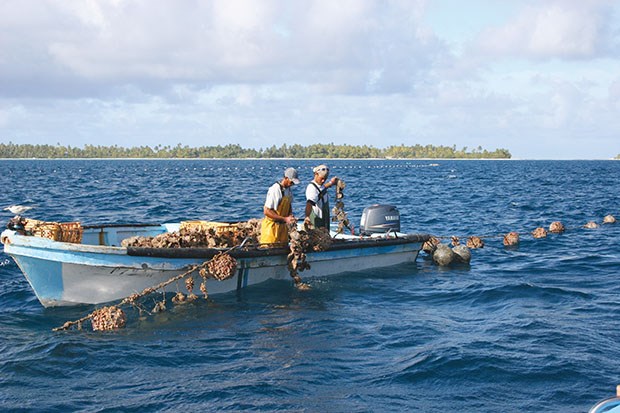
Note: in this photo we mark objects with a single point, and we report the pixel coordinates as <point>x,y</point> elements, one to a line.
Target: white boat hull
<point>69,274</point>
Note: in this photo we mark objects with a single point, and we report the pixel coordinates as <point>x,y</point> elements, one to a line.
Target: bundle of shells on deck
<point>225,236</point>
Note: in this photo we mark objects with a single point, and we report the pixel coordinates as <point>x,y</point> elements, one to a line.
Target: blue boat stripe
<point>240,277</point>
<point>245,276</point>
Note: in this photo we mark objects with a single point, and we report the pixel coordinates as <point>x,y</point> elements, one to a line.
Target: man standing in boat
<point>317,201</point>
<point>278,209</point>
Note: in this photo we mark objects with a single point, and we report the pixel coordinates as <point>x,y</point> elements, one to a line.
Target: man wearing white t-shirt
<point>278,209</point>
<point>317,201</point>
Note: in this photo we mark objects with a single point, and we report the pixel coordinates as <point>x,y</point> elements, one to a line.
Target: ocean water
<point>523,329</point>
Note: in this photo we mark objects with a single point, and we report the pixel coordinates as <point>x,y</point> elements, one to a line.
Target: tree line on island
<point>321,151</point>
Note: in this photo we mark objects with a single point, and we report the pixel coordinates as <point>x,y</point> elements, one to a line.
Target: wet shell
<point>539,232</point>
<point>203,289</point>
<point>179,298</point>
<point>222,266</point>
<point>160,306</point>
<point>198,236</point>
<point>319,239</point>
<point>591,225</point>
<point>609,219</point>
<point>512,238</point>
<point>108,318</point>
<point>475,242</point>
<point>338,213</point>
<point>189,284</point>
<point>556,227</point>
<point>431,245</point>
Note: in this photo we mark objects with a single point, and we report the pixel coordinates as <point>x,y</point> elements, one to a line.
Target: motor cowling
<point>379,219</point>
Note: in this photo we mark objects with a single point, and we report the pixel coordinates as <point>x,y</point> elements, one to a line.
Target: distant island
<point>322,151</point>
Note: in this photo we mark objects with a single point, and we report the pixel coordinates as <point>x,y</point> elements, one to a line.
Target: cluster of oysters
<point>200,237</point>
<point>108,318</point>
<point>338,213</point>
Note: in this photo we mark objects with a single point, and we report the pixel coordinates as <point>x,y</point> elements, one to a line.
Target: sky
<point>539,78</point>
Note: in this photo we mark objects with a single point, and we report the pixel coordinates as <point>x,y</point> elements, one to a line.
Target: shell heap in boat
<point>200,237</point>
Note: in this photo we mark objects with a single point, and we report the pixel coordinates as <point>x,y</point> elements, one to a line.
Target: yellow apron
<point>272,232</point>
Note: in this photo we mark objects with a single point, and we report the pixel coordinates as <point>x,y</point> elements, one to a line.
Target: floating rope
<point>339,215</point>
<point>113,317</point>
<point>296,259</point>
<point>317,239</point>
<point>220,267</point>
<point>432,246</point>
<point>301,241</point>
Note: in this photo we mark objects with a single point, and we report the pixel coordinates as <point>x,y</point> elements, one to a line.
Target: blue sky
<point>539,78</point>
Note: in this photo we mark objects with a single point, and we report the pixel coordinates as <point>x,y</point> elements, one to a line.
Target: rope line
<point>510,239</point>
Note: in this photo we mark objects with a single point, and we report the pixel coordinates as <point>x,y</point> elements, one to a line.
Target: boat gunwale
<point>29,241</point>
<point>338,245</point>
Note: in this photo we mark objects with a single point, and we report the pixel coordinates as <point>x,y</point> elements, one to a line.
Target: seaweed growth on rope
<point>220,267</point>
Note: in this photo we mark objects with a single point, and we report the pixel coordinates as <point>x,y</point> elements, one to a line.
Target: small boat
<point>99,270</point>
<point>610,405</point>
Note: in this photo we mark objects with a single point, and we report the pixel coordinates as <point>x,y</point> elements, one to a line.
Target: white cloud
<point>558,29</point>
<point>334,44</point>
<point>263,72</point>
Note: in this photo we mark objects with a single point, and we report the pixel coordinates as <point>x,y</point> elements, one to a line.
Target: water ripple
<point>539,319</point>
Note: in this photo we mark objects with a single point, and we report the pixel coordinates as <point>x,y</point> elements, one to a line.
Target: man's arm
<point>271,213</point>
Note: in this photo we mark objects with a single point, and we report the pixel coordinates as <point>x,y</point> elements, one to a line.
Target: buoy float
<point>556,227</point>
<point>475,242</point>
<point>443,255</point>
<point>462,254</point>
<point>510,239</point>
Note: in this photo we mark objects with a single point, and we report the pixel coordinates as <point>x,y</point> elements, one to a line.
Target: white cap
<point>321,170</point>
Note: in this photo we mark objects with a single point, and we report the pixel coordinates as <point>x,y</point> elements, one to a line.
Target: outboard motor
<point>379,219</point>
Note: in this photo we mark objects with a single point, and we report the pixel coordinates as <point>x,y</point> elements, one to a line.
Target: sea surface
<point>532,328</point>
